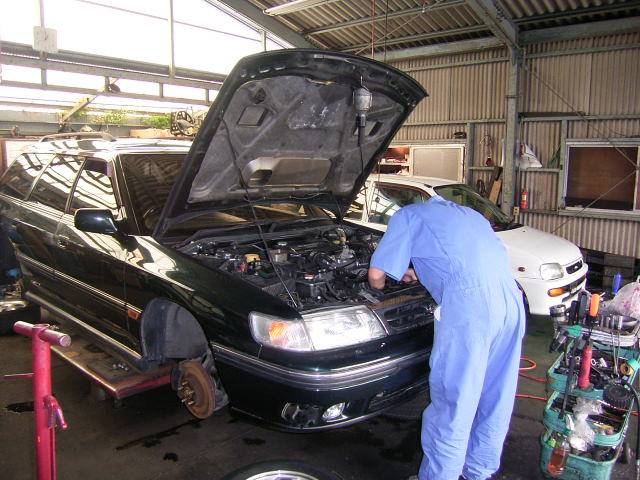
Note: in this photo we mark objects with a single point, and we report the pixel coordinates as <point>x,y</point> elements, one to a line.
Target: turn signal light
<point>556,292</point>
<point>278,332</point>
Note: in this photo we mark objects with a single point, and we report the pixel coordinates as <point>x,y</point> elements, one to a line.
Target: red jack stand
<point>47,411</point>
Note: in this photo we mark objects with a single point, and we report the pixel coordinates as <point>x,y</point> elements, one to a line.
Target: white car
<point>549,269</point>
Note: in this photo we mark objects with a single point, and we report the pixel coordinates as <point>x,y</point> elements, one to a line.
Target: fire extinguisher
<point>524,200</point>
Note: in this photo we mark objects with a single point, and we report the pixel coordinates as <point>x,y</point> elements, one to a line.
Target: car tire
<point>8,318</point>
<point>411,410</point>
<point>281,470</point>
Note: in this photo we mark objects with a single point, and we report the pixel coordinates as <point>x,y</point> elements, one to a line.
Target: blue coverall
<point>475,358</point>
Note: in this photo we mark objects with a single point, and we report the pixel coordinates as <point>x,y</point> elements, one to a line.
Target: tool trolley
<point>591,392</point>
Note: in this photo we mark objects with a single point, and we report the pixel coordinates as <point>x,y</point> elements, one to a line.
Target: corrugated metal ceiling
<point>347,25</point>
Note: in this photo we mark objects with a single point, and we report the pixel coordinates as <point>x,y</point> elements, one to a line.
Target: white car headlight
<point>321,330</point>
<point>551,271</point>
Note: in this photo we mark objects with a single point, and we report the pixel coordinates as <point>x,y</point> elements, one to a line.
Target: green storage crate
<point>578,468</point>
<point>558,382</point>
<point>553,421</point>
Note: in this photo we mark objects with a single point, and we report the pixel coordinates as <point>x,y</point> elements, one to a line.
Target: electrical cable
<point>636,396</point>
<point>234,156</point>
<point>425,9</point>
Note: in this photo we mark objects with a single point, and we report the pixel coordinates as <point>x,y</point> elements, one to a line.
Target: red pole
<point>46,409</point>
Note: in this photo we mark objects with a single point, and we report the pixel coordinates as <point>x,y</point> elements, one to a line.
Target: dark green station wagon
<point>223,267</point>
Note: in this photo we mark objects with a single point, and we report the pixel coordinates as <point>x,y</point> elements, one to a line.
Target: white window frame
<point>600,212</point>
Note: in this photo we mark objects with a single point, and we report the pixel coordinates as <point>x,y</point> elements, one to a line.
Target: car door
<point>39,220</point>
<point>388,198</point>
<point>90,265</point>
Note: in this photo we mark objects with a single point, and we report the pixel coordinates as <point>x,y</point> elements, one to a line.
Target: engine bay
<point>316,268</point>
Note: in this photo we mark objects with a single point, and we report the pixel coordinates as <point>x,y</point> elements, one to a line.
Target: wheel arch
<point>170,331</point>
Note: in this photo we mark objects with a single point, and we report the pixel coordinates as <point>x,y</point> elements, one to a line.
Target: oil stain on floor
<point>19,407</point>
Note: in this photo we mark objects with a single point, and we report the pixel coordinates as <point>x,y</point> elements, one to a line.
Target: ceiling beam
<point>582,30</point>
<point>570,32</point>
<point>295,6</point>
<point>89,91</point>
<point>442,49</point>
<point>74,62</point>
<point>256,15</point>
<point>454,3</point>
<point>501,26</point>
<point>381,17</point>
<point>420,37</point>
<point>579,12</point>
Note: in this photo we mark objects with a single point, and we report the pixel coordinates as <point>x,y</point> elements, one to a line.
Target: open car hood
<point>283,127</point>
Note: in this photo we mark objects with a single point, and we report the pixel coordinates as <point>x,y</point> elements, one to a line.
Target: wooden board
<point>495,190</point>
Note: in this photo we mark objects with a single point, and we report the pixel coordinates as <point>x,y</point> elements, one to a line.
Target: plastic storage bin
<point>578,468</point>
<point>553,421</point>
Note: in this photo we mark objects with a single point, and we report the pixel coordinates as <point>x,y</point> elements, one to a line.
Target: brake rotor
<point>196,389</point>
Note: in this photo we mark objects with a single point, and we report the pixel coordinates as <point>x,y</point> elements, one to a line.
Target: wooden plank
<point>495,190</point>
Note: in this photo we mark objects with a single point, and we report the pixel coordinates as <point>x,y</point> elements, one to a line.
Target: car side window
<point>54,185</point>
<point>388,199</point>
<point>94,188</point>
<point>20,175</point>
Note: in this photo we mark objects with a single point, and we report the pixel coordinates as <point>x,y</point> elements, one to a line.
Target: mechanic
<point>478,331</point>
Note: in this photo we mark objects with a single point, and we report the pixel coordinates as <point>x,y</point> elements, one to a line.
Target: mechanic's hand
<point>409,276</point>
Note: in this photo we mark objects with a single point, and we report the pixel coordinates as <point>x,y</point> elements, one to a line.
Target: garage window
<point>602,177</point>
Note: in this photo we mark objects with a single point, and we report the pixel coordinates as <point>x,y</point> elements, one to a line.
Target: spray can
<point>559,454</point>
<point>617,280</point>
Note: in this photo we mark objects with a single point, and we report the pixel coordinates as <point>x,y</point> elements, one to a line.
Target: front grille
<point>574,267</point>
<point>406,316</point>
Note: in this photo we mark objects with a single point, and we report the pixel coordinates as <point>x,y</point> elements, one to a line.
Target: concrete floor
<point>152,437</point>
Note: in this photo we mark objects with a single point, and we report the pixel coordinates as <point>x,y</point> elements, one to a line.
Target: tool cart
<point>591,391</point>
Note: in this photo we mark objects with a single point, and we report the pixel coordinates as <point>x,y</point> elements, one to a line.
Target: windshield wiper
<point>211,231</point>
<point>279,223</point>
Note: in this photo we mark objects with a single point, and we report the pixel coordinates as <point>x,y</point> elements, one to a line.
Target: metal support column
<point>512,140</point>
<point>469,152</point>
<point>172,54</point>
<point>263,39</point>
<point>564,133</point>
<point>43,72</point>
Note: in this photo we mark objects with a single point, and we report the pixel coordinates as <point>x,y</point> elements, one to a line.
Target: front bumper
<point>296,400</point>
<point>537,291</point>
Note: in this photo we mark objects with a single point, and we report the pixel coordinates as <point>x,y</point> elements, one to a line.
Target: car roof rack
<point>78,136</point>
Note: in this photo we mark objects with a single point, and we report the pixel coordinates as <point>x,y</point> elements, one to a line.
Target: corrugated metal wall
<point>593,76</point>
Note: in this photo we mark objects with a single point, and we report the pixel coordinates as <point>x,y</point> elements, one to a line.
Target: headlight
<point>278,333</point>
<point>550,271</point>
<point>318,330</point>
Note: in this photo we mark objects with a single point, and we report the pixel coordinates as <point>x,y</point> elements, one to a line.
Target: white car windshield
<point>467,197</point>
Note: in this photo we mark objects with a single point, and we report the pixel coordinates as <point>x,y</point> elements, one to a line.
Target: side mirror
<point>95,220</point>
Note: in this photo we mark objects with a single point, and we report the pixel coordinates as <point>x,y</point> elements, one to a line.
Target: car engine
<point>324,267</point>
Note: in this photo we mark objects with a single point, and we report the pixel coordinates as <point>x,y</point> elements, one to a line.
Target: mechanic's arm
<point>377,277</point>
<point>393,255</point>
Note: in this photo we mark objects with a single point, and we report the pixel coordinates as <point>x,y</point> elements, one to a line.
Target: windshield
<point>149,179</point>
<point>467,197</point>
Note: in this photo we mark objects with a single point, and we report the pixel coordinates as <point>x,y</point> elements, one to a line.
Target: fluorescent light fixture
<point>295,6</point>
